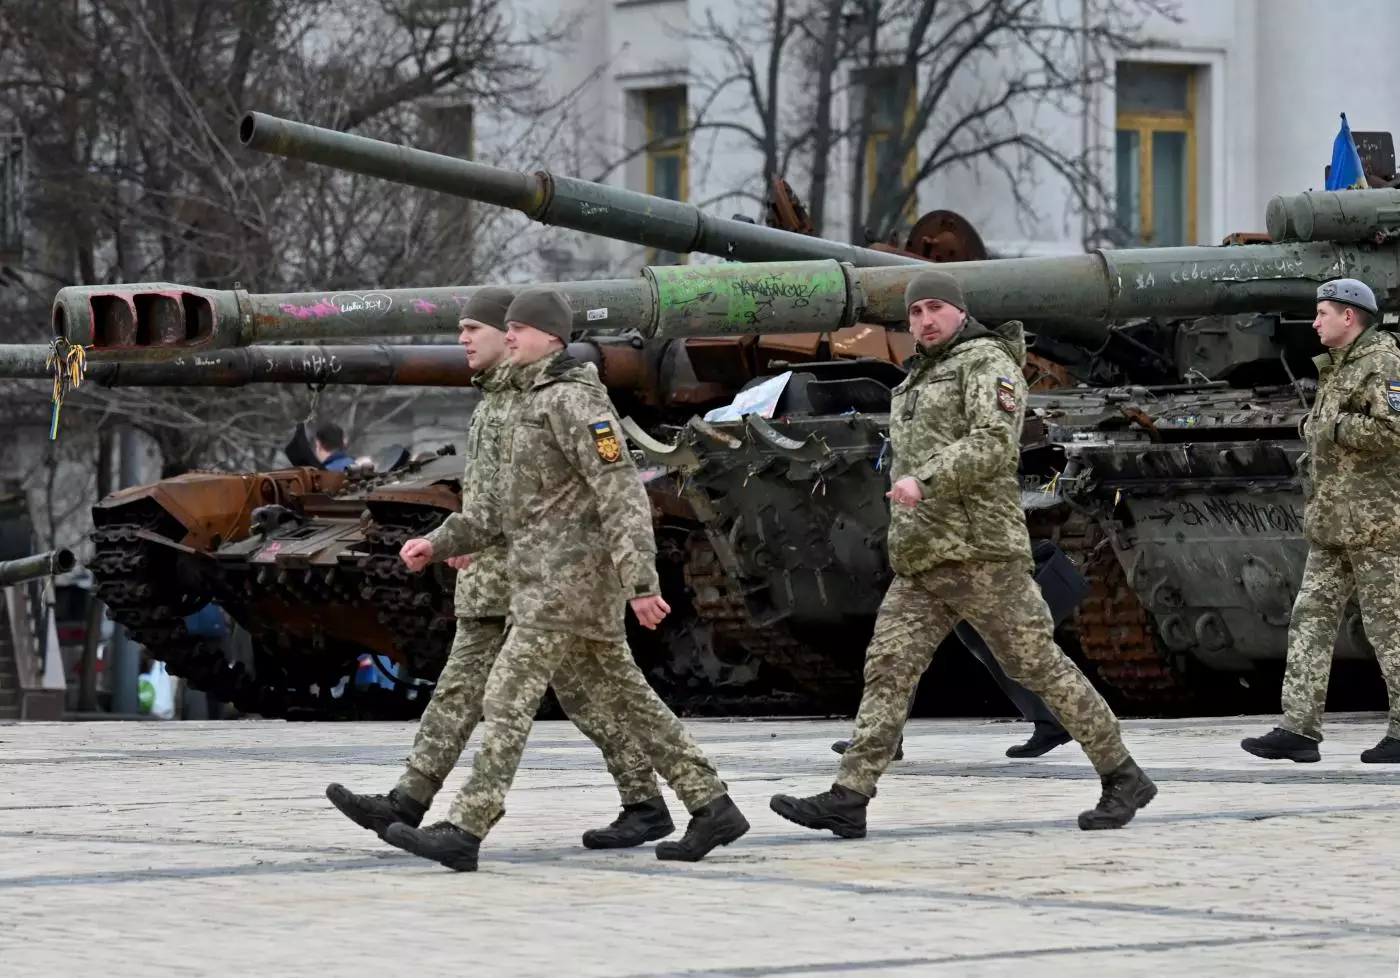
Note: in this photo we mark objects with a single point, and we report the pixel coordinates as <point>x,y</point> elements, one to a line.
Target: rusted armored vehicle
<point>306,560</point>
<point>777,522</point>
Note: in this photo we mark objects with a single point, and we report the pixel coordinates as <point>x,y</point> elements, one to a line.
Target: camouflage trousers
<point>1329,577</point>
<point>1001,601</point>
<point>612,683</point>
<point>456,707</point>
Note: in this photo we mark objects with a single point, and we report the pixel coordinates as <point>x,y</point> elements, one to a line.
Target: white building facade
<point>1235,103</point>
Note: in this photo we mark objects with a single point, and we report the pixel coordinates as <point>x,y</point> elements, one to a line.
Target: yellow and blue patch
<point>1006,394</point>
<point>605,441</point>
<point>1392,394</point>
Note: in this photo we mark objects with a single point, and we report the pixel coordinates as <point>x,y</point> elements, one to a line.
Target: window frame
<point>1147,122</point>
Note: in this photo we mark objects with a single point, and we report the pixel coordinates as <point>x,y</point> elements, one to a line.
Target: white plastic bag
<point>164,706</point>
<point>157,692</point>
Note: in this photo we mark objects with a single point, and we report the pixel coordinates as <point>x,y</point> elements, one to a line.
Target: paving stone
<point>209,848</point>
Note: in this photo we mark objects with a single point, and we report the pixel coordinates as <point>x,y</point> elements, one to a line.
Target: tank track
<point>420,616</point>
<point>137,579</point>
<point>1114,630</point>
<point>719,602</point>
<point>133,577</point>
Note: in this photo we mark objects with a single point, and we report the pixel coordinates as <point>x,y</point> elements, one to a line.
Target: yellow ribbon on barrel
<point>69,365</point>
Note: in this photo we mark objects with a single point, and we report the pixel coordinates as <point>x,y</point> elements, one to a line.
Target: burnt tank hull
<point>306,561</point>
<point>1181,505</point>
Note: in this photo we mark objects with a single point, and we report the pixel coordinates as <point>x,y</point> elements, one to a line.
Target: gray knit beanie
<point>934,285</point>
<point>545,309</point>
<point>488,305</point>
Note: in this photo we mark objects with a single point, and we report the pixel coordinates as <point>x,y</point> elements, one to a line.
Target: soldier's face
<point>525,344</point>
<point>1336,324</point>
<point>485,345</point>
<point>933,321</point>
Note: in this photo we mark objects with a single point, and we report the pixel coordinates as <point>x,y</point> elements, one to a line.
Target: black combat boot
<point>716,824</point>
<point>442,842</point>
<point>638,823</point>
<point>1125,789</point>
<point>1386,752</point>
<point>1279,744</point>
<point>841,746</point>
<point>841,810</point>
<point>376,812</point>
<point>1043,741</point>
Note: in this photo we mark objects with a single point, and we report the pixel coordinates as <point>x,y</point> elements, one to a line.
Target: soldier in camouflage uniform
<point>1351,520</point>
<point>570,506</point>
<point>482,597</point>
<point>959,548</point>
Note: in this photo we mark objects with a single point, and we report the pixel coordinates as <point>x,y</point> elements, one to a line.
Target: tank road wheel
<point>1116,635</point>
<point>819,681</point>
<point>146,588</point>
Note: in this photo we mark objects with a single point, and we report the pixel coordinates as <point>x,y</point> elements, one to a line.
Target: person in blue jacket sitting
<point>330,447</point>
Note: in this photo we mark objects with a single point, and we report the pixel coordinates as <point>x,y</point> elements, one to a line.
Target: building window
<point>11,198</point>
<point>1156,153</point>
<point>667,152</point>
<point>885,127</point>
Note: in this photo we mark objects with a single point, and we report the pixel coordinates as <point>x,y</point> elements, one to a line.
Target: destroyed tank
<point>792,508</point>
<point>306,560</point>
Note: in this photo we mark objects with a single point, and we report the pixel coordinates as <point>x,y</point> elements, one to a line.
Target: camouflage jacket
<point>571,506</point>
<point>1352,478</point>
<point>482,589</point>
<point>955,425</point>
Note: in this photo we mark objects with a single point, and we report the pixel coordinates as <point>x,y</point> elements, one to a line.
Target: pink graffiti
<point>423,306</point>
<point>320,310</point>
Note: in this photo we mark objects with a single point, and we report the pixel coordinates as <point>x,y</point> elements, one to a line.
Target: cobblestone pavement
<point>209,849</point>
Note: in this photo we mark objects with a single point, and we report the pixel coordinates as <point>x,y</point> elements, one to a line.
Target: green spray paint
<point>752,297</point>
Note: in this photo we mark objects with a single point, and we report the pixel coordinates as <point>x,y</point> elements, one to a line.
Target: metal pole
<point>87,676</point>
<point>126,654</point>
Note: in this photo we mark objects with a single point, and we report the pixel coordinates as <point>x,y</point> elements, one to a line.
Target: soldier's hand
<point>650,610</point>
<point>416,553</point>
<point>906,491</point>
<point>458,563</point>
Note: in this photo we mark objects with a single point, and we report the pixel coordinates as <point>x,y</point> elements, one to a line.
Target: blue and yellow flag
<point>1346,172</point>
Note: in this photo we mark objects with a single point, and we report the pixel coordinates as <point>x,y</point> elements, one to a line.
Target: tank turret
<point>32,568</point>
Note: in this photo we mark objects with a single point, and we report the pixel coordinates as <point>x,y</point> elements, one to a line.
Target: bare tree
<point>129,112</point>
<point>1026,56</point>
<point>963,84</point>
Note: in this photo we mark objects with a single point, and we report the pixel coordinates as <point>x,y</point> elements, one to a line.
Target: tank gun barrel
<point>382,365</point>
<point>35,566</point>
<point>568,202</point>
<point>1073,297</point>
<point>385,365</point>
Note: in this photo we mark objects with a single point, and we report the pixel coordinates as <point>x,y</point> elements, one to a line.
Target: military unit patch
<point>605,441</point>
<point>1006,395</point>
<point>1392,394</point>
